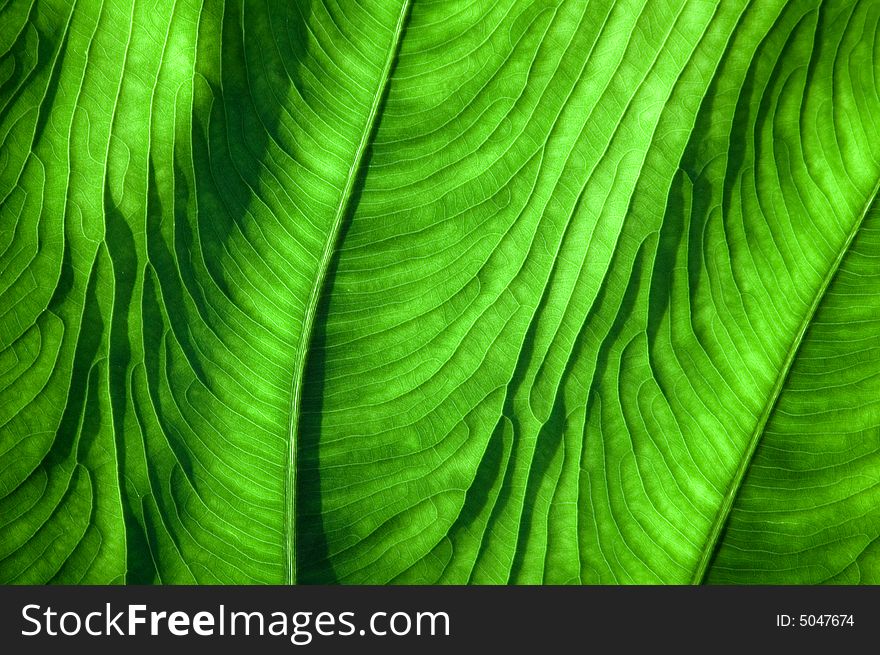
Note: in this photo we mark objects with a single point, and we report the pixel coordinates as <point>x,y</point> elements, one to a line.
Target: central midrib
<point>315,295</point>
<point>782,376</point>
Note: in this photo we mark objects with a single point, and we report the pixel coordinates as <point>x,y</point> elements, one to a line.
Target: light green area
<point>439,291</point>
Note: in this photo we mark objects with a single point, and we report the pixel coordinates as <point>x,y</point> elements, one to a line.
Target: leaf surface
<point>439,292</point>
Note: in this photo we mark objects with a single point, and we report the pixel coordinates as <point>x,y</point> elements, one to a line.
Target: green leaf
<point>439,291</point>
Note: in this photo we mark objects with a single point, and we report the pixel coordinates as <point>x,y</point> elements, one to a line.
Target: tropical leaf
<point>439,291</point>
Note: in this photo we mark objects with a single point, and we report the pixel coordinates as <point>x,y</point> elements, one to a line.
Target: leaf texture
<point>436,291</point>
